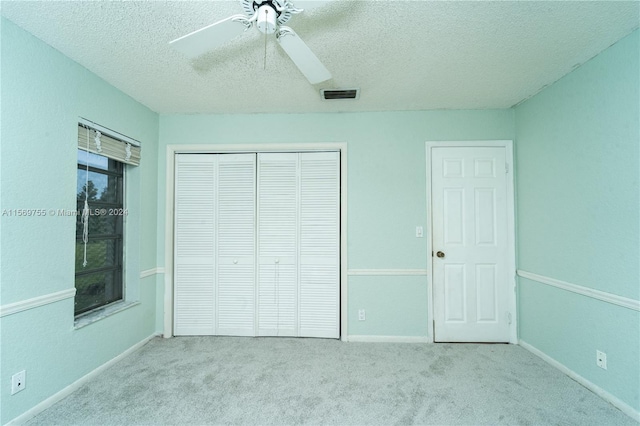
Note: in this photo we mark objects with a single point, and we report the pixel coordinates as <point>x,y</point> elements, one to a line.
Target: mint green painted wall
<point>43,94</point>
<point>386,189</point>
<point>570,327</point>
<point>577,151</point>
<point>577,201</point>
<point>394,306</point>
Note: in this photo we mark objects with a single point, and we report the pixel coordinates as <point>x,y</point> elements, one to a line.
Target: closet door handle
<point>235,261</point>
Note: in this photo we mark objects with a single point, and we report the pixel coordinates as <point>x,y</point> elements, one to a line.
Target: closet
<point>257,239</point>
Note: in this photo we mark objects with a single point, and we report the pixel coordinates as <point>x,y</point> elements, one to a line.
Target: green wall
<point>43,94</point>
<point>577,151</point>
<point>386,191</point>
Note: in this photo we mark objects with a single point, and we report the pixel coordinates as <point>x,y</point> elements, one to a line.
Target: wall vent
<point>339,94</point>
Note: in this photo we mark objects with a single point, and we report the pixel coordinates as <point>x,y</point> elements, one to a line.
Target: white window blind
<point>107,142</point>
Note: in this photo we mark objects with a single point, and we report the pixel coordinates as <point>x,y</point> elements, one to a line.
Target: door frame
<point>171,152</point>
<point>511,250</point>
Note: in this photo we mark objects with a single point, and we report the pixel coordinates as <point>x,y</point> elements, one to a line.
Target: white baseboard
<point>388,339</point>
<point>622,406</point>
<point>47,403</point>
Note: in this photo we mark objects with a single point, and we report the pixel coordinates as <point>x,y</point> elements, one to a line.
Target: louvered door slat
<point>277,244</point>
<point>319,244</point>
<point>194,268</point>
<point>236,245</point>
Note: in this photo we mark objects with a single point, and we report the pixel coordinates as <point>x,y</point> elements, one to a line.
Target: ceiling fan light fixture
<point>266,21</point>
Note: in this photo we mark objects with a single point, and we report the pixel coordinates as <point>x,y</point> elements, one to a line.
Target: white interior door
<point>299,244</point>
<point>470,244</point>
<point>194,253</point>
<point>277,244</point>
<point>235,234</point>
<point>320,244</point>
<point>284,205</point>
<point>214,262</point>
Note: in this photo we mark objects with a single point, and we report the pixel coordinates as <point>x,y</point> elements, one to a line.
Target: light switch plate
<point>419,232</point>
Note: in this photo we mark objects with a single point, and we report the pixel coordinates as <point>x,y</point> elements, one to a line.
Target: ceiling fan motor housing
<point>266,21</point>
<point>283,9</point>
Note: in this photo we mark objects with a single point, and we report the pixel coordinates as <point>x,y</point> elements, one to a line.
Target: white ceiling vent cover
<point>339,94</point>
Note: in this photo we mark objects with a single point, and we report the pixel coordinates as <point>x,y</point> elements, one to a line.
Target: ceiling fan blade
<point>212,36</point>
<point>306,61</point>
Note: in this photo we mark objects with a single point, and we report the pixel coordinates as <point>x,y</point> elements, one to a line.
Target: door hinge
<point>506,167</point>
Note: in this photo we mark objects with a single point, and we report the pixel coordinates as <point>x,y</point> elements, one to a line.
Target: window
<point>99,282</point>
<point>103,156</point>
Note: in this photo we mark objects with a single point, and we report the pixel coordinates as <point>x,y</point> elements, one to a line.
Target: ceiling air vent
<point>338,94</point>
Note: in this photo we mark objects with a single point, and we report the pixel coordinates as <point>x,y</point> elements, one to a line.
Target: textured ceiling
<point>403,55</point>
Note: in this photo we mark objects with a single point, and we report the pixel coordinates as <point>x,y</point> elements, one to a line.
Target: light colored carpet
<point>235,380</point>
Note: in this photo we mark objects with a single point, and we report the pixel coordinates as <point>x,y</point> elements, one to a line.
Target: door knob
<point>440,254</point>
<point>235,261</point>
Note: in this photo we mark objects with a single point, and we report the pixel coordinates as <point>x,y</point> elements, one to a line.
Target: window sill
<point>98,314</point>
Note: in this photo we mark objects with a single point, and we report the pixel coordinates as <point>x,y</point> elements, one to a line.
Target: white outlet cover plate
<point>18,382</point>
<point>601,359</point>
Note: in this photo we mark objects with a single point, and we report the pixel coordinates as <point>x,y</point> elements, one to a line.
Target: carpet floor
<point>284,381</point>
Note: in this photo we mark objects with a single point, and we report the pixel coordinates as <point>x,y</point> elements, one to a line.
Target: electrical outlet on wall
<point>601,359</point>
<point>361,315</point>
<point>18,382</point>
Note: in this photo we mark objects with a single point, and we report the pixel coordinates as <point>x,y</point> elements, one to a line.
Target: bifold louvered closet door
<point>215,244</point>
<point>284,205</point>
<point>298,244</point>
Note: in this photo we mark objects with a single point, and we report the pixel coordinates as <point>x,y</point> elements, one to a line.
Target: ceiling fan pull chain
<point>265,46</point>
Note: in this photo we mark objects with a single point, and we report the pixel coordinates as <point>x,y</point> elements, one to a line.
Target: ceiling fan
<point>269,16</point>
